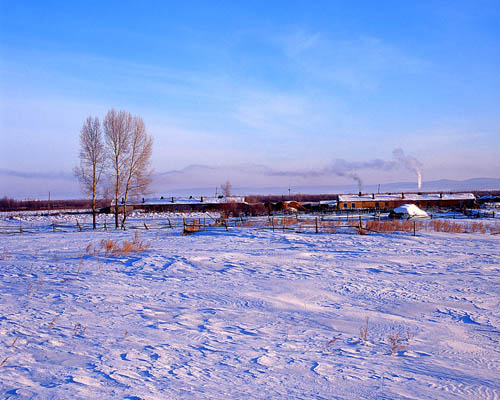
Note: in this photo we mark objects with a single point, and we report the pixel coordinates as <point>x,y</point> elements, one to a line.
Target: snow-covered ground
<point>250,314</point>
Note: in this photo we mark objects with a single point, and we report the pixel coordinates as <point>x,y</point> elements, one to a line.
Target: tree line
<point>9,204</point>
<point>115,160</point>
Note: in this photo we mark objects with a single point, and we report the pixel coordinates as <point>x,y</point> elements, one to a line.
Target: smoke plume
<point>350,169</point>
<point>410,163</point>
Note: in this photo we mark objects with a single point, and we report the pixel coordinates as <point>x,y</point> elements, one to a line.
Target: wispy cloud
<point>358,63</point>
<point>37,175</point>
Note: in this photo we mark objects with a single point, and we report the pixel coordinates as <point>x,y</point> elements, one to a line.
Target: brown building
<point>390,201</point>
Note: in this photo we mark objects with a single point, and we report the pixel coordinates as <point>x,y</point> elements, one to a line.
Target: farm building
<point>390,201</point>
<point>181,204</point>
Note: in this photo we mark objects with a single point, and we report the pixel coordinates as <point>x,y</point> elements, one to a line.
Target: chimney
<point>202,199</point>
<point>402,195</point>
<point>440,195</point>
<point>359,194</point>
<point>373,196</point>
<point>172,199</point>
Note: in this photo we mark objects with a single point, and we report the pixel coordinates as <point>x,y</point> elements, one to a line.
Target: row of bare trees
<point>115,159</point>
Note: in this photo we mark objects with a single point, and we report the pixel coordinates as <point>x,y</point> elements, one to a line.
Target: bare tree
<point>117,132</point>
<point>226,189</point>
<point>92,160</point>
<point>138,172</point>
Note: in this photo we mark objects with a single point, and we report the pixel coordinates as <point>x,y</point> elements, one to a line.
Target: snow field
<point>250,314</point>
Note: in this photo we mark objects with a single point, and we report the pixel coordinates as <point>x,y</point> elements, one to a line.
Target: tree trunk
<point>116,206</point>
<point>117,191</point>
<point>93,212</point>
<point>124,211</point>
<point>94,185</point>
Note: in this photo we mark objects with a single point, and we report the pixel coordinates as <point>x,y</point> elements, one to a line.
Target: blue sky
<point>287,85</point>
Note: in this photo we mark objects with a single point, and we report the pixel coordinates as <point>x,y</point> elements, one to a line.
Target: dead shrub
<point>391,225</point>
<point>398,342</point>
<point>446,226</point>
<point>249,223</point>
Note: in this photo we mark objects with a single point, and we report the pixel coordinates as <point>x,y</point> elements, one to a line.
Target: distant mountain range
<point>445,185</point>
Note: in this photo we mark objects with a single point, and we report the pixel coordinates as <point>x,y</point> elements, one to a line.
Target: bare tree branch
<point>226,189</point>
<point>138,171</point>
<point>117,132</point>
<point>92,160</point>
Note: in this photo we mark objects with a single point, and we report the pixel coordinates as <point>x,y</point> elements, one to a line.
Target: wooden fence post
<point>414,228</point>
<point>168,219</point>
<point>53,227</point>
<point>273,223</point>
<point>316,220</point>
<point>20,227</point>
<point>79,226</point>
<point>105,225</point>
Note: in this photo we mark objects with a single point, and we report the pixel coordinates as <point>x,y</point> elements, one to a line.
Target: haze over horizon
<point>281,94</point>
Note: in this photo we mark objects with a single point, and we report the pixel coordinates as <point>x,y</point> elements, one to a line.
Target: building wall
<point>396,203</point>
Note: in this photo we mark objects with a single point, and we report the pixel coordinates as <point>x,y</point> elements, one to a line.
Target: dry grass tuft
<point>363,331</point>
<point>79,267</point>
<point>332,341</point>
<point>79,329</point>
<point>52,323</point>
<point>111,247</point>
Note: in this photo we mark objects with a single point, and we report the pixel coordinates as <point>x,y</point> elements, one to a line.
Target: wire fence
<point>330,223</point>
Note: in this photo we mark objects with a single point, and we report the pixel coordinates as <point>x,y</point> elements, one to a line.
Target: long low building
<point>179,204</point>
<point>202,203</point>
<point>392,200</point>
